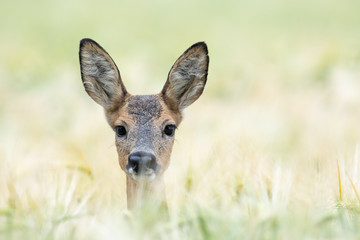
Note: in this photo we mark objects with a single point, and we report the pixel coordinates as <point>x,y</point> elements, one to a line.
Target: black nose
<point>141,161</point>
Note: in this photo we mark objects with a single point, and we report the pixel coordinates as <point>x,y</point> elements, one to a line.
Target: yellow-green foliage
<point>261,155</point>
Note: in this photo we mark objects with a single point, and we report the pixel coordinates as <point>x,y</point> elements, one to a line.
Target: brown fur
<point>143,116</point>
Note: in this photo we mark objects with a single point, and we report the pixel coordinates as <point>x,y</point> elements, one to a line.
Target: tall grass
<point>270,151</point>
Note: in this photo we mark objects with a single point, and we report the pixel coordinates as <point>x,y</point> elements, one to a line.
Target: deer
<point>144,125</point>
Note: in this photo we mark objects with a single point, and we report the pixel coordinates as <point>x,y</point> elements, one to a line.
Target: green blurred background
<point>40,38</point>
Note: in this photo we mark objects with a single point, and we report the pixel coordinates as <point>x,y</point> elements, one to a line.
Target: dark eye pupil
<point>120,131</point>
<point>169,130</point>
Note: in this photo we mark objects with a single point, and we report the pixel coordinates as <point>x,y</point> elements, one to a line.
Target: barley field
<point>271,150</point>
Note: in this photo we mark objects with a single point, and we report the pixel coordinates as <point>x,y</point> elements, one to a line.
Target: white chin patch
<point>149,175</point>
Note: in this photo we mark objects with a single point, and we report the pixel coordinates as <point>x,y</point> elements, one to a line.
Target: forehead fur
<point>142,109</point>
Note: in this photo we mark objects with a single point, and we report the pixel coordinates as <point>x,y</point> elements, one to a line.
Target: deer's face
<point>144,125</point>
<point>144,135</point>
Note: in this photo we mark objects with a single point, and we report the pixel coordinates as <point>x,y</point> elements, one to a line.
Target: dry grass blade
<point>353,186</point>
<point>339,178</point>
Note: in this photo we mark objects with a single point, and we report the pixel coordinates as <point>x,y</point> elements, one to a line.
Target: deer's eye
<point>170,130</point>
<point>120,131</point>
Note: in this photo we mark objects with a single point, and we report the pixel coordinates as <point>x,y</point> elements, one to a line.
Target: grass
<point>270,151</point>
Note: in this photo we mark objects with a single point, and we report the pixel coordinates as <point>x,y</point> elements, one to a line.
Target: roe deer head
<point>144,125</point>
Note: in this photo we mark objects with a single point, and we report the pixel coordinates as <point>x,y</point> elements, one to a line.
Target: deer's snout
<point>142,164</point>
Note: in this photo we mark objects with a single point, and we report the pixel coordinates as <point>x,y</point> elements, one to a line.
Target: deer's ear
<point>100,75</point>
<point>187,77</point>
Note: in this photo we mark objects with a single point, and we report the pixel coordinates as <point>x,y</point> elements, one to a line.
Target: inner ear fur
<point>100,75</point>
<point>187,77</point>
